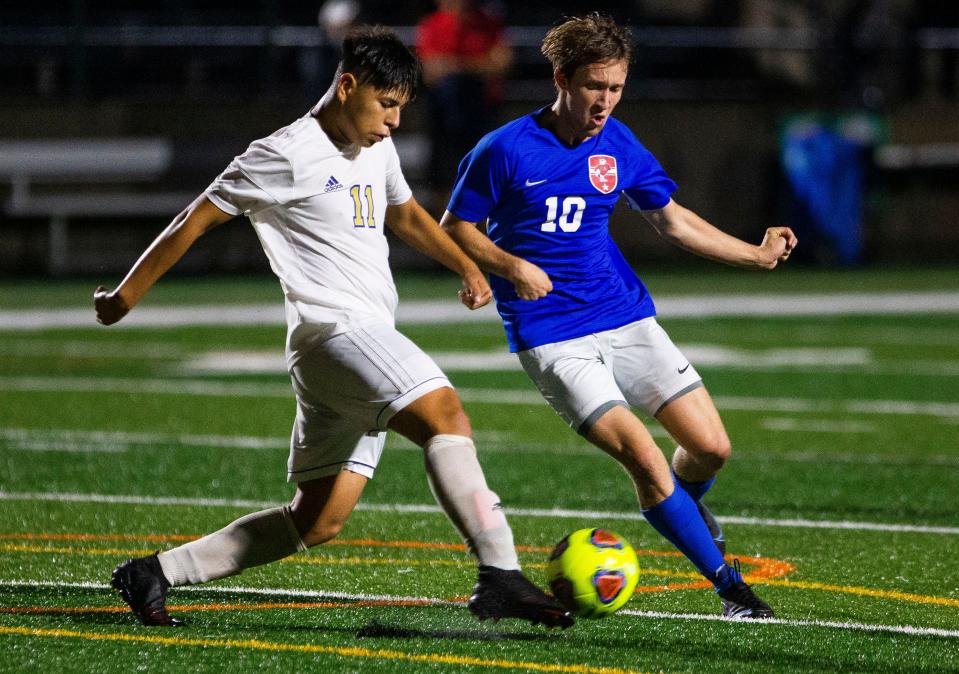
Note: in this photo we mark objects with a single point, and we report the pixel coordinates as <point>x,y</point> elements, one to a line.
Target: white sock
<point>257,538</point>
<point>457,481</point>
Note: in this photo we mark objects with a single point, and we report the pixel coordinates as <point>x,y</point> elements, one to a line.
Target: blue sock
<point>696,490</point>
<point>678,519</point>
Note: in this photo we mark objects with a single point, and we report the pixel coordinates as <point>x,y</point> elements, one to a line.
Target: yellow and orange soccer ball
<point>593,572</point>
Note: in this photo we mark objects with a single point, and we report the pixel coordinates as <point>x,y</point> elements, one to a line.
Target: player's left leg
<point>436,421</point>
<point>693,421</point>
<point>317,514</point>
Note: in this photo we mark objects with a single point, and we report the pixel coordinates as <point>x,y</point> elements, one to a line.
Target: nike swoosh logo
<point>530,183</point>
<point>683,369</point>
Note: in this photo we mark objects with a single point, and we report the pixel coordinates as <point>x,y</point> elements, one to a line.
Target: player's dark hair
<point>375,55</point>
<point>581,40</point>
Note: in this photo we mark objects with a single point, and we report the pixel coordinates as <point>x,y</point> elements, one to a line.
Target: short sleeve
<point>259,178</point>
<point>649,187</point>
<point>482,176</point>
<point>397,189</point>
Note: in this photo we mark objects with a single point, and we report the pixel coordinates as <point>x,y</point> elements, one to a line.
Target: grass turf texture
<point>832,458</point>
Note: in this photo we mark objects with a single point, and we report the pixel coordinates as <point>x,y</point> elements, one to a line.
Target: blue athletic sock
<point>678,519</point>
<point>696,490</point>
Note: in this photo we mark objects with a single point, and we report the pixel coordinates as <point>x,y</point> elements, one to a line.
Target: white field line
<point>499,396</point>
<point>54,440</point>
<point>450,311</point>
<point>705,355</point>
<point>859,627</point>
<point>45,348</point>
<point>900,334</point>
<point>827,456</point>
<point>257,591</point>
<point>70,446</point>
<point>559,513</point>
<point>488,441</point>
<point>817,425</point>
<point>655,615</point>
<point>24,436</point>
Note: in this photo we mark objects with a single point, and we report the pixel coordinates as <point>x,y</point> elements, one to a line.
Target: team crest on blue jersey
<point>602,172</point>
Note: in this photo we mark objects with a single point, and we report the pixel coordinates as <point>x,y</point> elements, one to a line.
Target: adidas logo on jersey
<point>332,185</point>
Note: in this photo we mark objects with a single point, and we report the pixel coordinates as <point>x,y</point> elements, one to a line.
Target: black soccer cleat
<point>739,601</point>
<point>143,587</point>
<point>509,594</point>
<point>715,530</point>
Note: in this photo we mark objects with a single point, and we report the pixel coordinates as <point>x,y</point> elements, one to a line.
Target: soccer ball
<point>593,572</point>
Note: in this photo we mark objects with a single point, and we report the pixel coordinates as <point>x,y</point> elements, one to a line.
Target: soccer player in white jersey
<point>581,321</point>
<point>319,193</point>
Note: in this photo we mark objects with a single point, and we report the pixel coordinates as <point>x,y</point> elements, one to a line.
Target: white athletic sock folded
<point>257,538</point>
<point>457,481</point>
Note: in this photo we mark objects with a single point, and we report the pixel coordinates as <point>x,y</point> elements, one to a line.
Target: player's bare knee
<point>713,452</point>
<point>439,412</point>
<point>321,532</point>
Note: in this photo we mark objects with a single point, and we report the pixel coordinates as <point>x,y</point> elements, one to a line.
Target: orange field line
<point>765,567</point>
<point>342,651</point>
<point>762,567</point>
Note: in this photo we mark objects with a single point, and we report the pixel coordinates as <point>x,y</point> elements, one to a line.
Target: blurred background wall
<point>839,118</point>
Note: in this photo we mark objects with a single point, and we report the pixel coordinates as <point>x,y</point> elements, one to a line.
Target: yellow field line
<point>263,606</point>
<point>862,591</point>
<point>71,550</point>
<point>342,651</point>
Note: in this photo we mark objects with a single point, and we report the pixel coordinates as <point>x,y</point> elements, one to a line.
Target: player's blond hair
<point>581,40</point>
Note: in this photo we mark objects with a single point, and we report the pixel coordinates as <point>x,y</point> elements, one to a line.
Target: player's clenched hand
<point>109,306</point>
<point>777,245</point>
<point>530,281</point>
<point>476,292</point>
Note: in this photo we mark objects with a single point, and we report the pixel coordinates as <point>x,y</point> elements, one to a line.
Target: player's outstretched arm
<point>414,226</point>
<point>195,220</point>
<point>530,281</point>
<point>687,230</point>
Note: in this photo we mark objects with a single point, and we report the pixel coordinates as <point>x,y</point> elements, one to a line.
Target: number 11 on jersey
<point>569,219</point>
<point>358,220</point>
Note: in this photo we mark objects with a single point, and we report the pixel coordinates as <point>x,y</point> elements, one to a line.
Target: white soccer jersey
<point>319,211</point>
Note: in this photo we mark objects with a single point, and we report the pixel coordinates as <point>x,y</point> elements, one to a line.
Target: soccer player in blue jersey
<point>581,322</point>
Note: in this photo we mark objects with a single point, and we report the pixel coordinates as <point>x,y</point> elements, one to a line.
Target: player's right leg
<point>436,421</point>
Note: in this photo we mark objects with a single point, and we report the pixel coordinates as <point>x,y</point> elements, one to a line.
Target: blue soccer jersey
<point>550,204</point>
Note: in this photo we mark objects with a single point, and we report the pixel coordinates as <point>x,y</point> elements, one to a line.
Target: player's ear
<point>560,79</point>
<point>345,86</point>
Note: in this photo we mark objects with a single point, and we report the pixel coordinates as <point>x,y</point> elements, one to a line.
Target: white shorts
<point>347,389</point>
<point>636,364</point>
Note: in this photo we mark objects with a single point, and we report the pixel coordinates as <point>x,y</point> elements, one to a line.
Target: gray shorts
<point>347,390</point>
<point>635,365</point>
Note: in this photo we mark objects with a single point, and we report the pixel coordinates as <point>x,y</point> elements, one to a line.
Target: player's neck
<point>328,114</point>
<point>568,132</point>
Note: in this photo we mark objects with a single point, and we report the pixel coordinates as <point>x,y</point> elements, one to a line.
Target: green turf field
<point>840,500</point>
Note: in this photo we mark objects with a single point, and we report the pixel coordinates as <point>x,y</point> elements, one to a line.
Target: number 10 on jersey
<point>358,220</point>
<point>569,219</point>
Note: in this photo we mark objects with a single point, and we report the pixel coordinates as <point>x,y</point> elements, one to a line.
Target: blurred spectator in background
<point>465,56</point>
<point>942,14</point>
<point>792,68</point>
<point>867,61</point>
<point>318,64</point>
